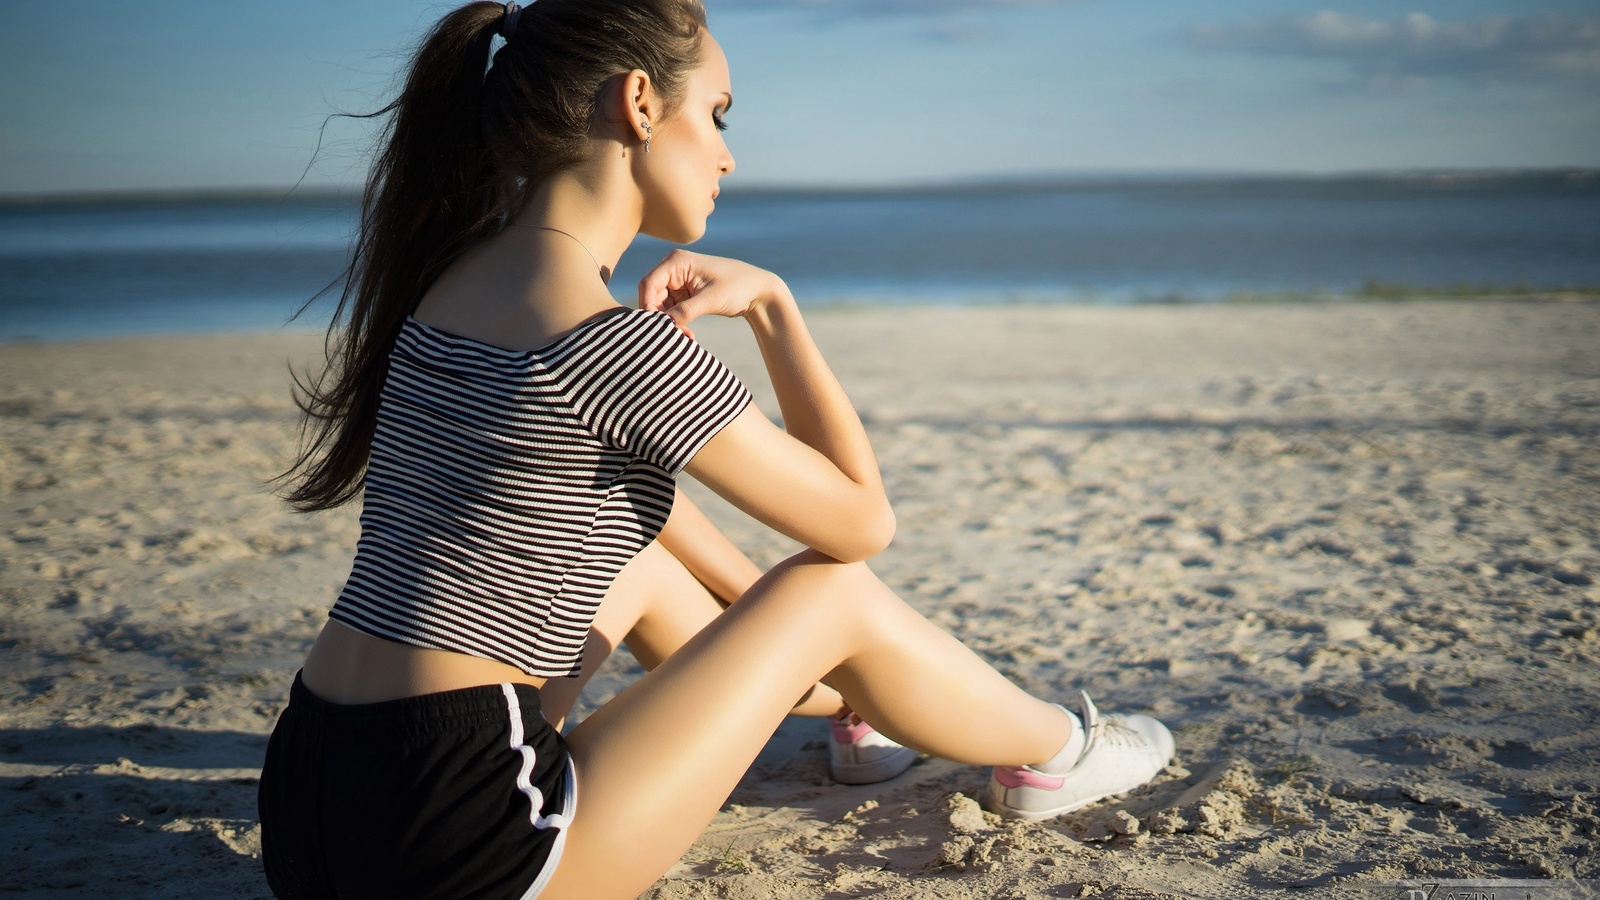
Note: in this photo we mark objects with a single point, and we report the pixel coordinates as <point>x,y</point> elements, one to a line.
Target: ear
<point>637,104</point>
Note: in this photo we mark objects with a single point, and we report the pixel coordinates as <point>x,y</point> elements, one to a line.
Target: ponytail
<point>462,150</point>
<point>431,194</point>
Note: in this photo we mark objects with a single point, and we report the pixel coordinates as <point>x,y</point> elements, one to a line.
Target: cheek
<point>681,199</point>
<point>691,158</point>
<point>682,177</point>
<point>690,173</point>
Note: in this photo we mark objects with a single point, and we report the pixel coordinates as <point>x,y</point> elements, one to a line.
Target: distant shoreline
<point>1443,179</point>
<point>243,260</point>
<point>1396,295</point>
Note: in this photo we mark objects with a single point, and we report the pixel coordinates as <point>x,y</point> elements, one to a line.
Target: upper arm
<point>653,392</point>
<point>794,489</point>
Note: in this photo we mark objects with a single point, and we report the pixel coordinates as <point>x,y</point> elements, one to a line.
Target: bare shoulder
<point>509,305</point>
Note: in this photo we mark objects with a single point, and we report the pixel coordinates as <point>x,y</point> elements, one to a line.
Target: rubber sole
<point>1006,812</point>
<point>875,771</point>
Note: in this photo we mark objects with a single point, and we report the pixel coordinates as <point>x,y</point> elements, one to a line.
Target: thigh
<point>657,762</point>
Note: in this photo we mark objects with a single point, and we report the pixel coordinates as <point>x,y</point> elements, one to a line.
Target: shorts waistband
<point>422,711</point>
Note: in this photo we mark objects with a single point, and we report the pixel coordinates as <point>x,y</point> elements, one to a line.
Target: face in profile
<point>688,156</point>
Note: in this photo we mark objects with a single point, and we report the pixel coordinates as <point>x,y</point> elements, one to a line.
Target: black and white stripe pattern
<point>506,488</point>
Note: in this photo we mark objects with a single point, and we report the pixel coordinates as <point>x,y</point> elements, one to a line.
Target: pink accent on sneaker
<point>849,729</point>
<point>1021,776</point>
<point>859,754</point>
<point>1121,753</point>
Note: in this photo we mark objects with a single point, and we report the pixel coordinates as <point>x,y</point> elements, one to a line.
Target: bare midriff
<point>346,666</point>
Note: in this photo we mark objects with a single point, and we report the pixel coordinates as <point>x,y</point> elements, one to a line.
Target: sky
<point>171,95</point>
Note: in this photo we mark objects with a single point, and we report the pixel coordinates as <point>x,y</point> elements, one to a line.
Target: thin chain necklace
<point>585,247</point>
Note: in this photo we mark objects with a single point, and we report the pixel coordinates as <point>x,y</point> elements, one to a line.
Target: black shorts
<point>459,794</point>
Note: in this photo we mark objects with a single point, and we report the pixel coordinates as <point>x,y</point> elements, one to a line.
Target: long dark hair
<point>463,150</point>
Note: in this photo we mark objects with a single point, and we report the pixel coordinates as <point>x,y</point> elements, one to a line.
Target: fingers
<point>678,286</point>
<point>688,285</point>
<point>682,312</point>
<point>672,274</point>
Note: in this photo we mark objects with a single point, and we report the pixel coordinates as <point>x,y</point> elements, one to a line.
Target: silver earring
<point>648,133</point>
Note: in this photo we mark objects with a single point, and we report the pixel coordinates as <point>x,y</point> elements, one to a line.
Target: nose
<point>727,163</point>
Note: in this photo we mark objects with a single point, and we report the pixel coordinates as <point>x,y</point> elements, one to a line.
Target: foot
<point>1120,753</point>
<point>859,755</point>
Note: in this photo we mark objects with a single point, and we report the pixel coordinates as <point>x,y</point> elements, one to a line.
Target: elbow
<point>881,532</point>
<point>872,534</point>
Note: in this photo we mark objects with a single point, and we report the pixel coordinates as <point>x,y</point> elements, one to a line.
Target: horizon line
<point>1576,175</point>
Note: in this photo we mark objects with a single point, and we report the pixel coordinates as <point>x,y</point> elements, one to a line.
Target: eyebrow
<point>730,102</point>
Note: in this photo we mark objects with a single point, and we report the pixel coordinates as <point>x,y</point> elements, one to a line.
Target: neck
<point>602,212</point>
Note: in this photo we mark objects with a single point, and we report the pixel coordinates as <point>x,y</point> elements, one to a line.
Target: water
<point>132,267</point>
<point>94,270</point>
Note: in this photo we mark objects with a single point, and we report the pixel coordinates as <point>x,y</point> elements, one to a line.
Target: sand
<point>1348,552</point>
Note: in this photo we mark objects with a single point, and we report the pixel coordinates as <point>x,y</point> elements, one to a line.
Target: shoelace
<point>1115,733</point>
<point>1112,734</point>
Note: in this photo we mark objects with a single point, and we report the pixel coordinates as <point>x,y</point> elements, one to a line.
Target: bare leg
<point>656,763</point>
<point>654,607</point>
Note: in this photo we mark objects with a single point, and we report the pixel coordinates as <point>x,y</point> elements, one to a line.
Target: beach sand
<point>1348,552</point>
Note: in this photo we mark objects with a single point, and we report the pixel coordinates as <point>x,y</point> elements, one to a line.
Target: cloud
<point>1418,46</point>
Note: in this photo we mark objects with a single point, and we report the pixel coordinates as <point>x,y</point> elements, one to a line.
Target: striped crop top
<point>506,489</point>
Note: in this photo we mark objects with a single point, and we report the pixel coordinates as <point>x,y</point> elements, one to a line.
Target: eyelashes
<point>717,120</point>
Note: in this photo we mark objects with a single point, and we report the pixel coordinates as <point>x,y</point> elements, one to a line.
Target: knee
<point>817,580</point>
<point>813,565</point>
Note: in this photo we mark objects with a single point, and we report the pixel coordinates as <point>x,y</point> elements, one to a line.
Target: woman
<point>515,435</point>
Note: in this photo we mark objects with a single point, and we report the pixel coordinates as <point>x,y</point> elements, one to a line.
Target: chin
<point>692,231</point>
<point>680,232</point>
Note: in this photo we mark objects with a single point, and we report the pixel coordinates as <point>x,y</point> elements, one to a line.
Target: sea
<point>93,267</point>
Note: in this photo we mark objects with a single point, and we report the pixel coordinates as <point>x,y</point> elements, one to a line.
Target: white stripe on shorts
<point>524,782</point>
<point>558,821</point>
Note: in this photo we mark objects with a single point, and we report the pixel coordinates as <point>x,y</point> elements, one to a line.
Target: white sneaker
<point>857,754</point>
<point>1121,753</point>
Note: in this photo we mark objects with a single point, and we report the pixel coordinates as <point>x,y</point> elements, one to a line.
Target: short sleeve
<point>657,394</point>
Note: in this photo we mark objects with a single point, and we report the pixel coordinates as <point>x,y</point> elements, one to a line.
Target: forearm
<point>706,552</point>
<point>814,405</point>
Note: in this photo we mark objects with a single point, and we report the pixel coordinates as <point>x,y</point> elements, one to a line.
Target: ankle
<point>1069,753</point>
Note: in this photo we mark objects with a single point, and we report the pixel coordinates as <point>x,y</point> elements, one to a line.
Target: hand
<point>689,285</point>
